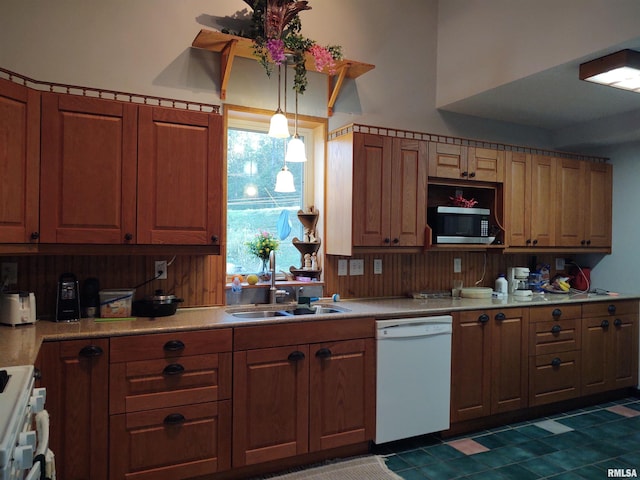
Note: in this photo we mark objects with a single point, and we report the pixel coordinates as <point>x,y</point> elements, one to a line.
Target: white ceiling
<point>578,114</point>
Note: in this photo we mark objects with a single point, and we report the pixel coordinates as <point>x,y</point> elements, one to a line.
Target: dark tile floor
<point>580,444</point>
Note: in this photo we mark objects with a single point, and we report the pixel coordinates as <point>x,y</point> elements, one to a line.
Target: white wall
<point>486,43</point>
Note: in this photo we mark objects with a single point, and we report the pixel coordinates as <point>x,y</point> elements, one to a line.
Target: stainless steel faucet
<point>272,269</point>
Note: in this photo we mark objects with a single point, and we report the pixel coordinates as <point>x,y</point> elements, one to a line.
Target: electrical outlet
<point>377,266</point>
<point>161,266</point>
<point>559,264</point>
<point>356,267</point>
<point>342,268</point>
<point>9,273</point>
<point>457,265</point>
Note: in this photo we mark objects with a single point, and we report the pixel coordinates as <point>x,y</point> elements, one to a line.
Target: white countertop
<point>20,345</point>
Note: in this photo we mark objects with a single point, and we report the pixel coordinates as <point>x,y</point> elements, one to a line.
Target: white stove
<point>24,428</point>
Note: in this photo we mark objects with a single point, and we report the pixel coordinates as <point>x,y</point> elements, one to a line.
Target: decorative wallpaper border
<point>432,137</point>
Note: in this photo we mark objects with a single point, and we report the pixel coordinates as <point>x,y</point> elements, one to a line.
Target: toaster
<point>17,308</point>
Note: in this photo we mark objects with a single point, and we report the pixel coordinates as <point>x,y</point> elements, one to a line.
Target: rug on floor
<point>371,467</point>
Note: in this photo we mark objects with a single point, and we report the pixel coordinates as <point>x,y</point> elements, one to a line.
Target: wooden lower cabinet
<point>302,397</point>
<point>76,375</point>
<point>610,346</point>
<point>488,365</point>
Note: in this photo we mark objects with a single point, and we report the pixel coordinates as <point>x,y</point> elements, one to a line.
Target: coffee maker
<point>518,279</point>
<point>68,299</point>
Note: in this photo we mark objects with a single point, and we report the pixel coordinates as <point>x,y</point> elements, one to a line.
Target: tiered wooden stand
<point>309,246</point>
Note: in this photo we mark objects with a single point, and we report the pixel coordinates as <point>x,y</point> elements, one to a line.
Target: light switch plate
<point>560,264</point>
<point>356,267</point>
<point>377,266</point>
<point>457,265</point>
<point>342,268</point>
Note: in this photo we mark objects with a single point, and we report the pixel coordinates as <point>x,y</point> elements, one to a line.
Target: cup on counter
<point>456,287</point>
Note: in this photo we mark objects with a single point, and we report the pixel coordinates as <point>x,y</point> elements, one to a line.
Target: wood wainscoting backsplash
<point>198,279</point>
<point>403,274</point>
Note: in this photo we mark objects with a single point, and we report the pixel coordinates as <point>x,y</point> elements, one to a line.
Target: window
<point>253,161</point>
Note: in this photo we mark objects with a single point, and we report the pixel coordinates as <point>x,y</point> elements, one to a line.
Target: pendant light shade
<point>284,181</point>
<point>296,150</point>
<point>279,126</point>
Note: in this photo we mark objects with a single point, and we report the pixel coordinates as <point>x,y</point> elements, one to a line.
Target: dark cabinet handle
<point>465,174</point>
<point>556,329</point>
<point>582,242</point>
<point>396,241</point>
<point>173,346</point>
<point>91,351</point>
<point>556,312</point>
<point>472,174</point>
<point>296,356</point>
<point>484,318</point>
<point>214,239</point>
<point>588,242</point>
<point>387,240</point>
<point>323,353</point>
<point>535,242</point>
<point>500,316</point>
<point>174,419</point>
<point>35,235</point>
<point>617,322</point>
<point>611,309</point>
<point>528,242</point>
<point>556,362</point>
<point>128,237</point>
<point>173,369</point>
<point>604,323</point>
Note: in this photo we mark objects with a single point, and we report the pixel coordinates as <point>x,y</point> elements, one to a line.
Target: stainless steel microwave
<point>459,224</point>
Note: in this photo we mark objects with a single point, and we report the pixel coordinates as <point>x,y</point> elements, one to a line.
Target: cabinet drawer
<point>554,377</point>
<point>605,309</point>
<point>177,443</point>
<point>169,345</point>
<point>553,337</point>
<point>168,382</point>
<point>554,313</point>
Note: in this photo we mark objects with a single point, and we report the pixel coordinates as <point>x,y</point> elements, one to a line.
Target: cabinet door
<point>470,366</point>
<point>88,170</point>
<point>19,162</point>
<point>518,204</point>
<point>342,393</point>
<point>554,377</point>
<point>182,442</point>
<point>76,375</point>
<point>543,202</point>
<point>485,164</point>
<point>597,227</point>
<point>270,404</point>
<point>447,161</point>
<point>571,202</point>
<point>596,360</point>
<point>509,359</point>
<point>624,351</point>
<point>408,192</point>
<point>371,190</point>
<point>179,177</point>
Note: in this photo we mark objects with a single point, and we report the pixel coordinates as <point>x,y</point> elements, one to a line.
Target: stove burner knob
<point>37,401</point>
<point>28,438</point>
<point>23,457</point>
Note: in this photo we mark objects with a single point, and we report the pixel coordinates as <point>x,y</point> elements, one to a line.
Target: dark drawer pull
<point>173,346</point>
<point>556,362</point>
<point>556,329</point>
<point>323,353</point>
<point>174,419</point>
<point>173,369</point>
<point>128,237</point>
<point>35,235</point>
<point>296,356</point>
<point>611,309</point>
<point>617,322</point>
<point>484,318</point>
<point>604,324</point>
<point>214,239</point>
<point>91,351</point>
<point>500,316</point>
<point>556,312</point>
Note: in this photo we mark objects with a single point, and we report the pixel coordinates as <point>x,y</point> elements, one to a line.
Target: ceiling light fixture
<point>619,70</point>
<point>295,149</point>
<point>279,126</point>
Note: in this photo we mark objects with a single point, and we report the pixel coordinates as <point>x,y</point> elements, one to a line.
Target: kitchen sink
<point>269,312</point>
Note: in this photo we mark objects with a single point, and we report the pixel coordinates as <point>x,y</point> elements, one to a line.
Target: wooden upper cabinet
<point>179,177</point>
<point>598,214</point>
<point>19,162</point>
<point>466,163</point>
<point>88,171</point>
<point>530,208</point>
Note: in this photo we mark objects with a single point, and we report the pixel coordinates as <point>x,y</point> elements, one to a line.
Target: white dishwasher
<point>413,387</point>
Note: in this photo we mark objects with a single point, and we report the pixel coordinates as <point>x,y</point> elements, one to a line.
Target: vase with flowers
<point>261,245</point>
<point>275,31</point>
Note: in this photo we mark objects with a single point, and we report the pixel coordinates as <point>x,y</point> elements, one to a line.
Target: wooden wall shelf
<point>231,46</point>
